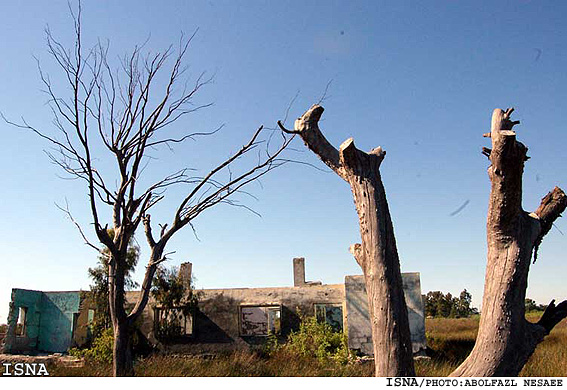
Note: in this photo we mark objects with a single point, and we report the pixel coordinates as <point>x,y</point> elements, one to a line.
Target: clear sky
<point>418,78</point>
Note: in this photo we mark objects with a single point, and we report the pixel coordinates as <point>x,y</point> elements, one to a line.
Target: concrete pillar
<point>185,273</point>
<point>299,271</point>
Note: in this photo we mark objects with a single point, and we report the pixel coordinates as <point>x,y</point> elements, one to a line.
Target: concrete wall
<point>31,300</point>
<point>82,333</point>
<point>416,311</point>
<point>57,312</point>
<point>49,321</point>
<point>146,321</point>
<point>359,331</point>
<point>59,320</point>
<point>217,322</point>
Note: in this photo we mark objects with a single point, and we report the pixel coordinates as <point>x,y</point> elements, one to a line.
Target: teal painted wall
<point>49,320</point>
<point>32,301</point>
<point>56,330</point>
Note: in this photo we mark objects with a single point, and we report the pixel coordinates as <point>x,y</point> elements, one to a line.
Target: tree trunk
<point>122,364</point>
<point>123,322</point>
<point>377,255</point>
<point>505,339</point>
<point>122,351</point>
<point>378,258</point>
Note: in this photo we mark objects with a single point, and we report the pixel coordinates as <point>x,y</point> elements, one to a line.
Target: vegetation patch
<point>314,351</point>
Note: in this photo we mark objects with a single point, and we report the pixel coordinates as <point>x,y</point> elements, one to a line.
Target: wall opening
<point>90,316</point>
<point>75,322</point>
<point>90,324</point>
<point>260,320</point>
<point>175,322</point>
<point>330,313</point>
<point>21,328</point>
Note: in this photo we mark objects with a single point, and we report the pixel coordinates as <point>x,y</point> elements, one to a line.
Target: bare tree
<point>125,114</point>
<point>377,255</point>
<point>505,338</point>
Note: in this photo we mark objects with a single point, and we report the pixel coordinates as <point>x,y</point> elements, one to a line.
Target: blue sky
<point>418,78</point>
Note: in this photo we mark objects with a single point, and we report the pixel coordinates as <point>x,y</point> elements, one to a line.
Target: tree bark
<point>123,364</point>
<point>505,339</point>
<point>377,254</point>
<point>123,322</point>
<point>121,351</point>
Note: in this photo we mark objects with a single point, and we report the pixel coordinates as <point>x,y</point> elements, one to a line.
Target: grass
<point>550,357</point>
<point>241,363</point>
<point>450,341</point>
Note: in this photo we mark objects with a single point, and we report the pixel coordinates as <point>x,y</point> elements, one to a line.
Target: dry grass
<point>550,357</point>
<point>247,364</point>
<point>242,363</point>
<point>89,369</point>
<point>450,341</point>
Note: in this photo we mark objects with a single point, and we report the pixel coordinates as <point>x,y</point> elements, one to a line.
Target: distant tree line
<point>531,305</point>
<point>438,304</point>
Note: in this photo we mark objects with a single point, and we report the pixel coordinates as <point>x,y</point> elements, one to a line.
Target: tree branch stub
<point>553,315</point>
<point>377,253</point>
<point>357,252</point>
<point>505,339</point>
<point>550,208</point>
<point>307,126</point>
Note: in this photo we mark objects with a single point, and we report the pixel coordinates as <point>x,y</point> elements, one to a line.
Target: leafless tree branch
<point>70,216</point>
<point>107,111</point>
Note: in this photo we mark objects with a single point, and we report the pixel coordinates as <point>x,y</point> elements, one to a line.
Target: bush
<point>101,349</point>
<point>315,339</point>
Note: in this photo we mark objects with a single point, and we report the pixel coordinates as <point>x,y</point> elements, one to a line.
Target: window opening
<point>330,313</point>
<point>21,328</point>
<point>260,320</point>
<point>173,322</point>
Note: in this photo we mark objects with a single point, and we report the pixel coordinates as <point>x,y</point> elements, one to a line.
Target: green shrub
<point>101,349</point>
<point>315,339</point>
<point>272,345</point>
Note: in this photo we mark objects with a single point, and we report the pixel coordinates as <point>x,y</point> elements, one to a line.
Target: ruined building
<point>226,319</point>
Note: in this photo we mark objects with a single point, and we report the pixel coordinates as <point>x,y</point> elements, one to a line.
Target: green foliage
<point>463,305</point>
<point>176,302</point>
<point>530,305</point>
<point>101,349</point>
<point>438,304</point>
<point>99,288</point>
<point>318,340</point>
<point>450,339</point>
<point>272,344</point>
<point>3,328</point>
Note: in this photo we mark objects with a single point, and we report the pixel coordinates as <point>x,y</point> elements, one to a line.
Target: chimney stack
<point>185,273</point>
<point>299,271</point>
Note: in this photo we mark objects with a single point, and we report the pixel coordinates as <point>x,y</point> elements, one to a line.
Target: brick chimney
<point>299,271</point>
<point>185,273</point>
